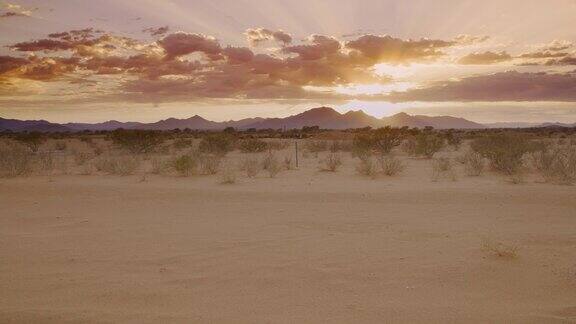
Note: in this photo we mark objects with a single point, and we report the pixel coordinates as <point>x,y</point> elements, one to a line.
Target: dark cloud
<point>395,50</point>
<point>157,31</point>
<point>10,63</point>
<point>543,54</point>
<point>506,86</point>
<point>42,45</point>
<point>180,44</point>
<point>485,58</point>
<point>9,14</point>
<point>567,60</point>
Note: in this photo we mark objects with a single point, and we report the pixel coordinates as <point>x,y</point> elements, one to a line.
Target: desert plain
<point>304,246</point>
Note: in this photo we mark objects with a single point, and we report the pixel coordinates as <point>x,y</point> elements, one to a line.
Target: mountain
<point>15,125</point>
<point>324,117</point>
<point>107,126</point>
<point>438,122</point>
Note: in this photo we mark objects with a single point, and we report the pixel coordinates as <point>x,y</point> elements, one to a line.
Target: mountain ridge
<point>324,117</point>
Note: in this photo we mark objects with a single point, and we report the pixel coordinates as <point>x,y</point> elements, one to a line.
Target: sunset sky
<point>145,60</point>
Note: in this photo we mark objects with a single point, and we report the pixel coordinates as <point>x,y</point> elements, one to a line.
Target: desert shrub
<point>137,141</point>
<point>159,165</point>
<point>316,146</point>
<point>408,146</point>
<point>428,144</point>
<point>390,165</point>
<point>288,163</point>
<point>81,157</point>
<point>504,151</point>
<point>31,140</point>
<point>271,164</point>
<point>340,146</point>
<point>556,164</point>
<point>454,140</point>
<point>277,145</point>
<point>367,167</point>
<point>443,168</point>
<point>60,146</point>
<point>228,175</point>
<point>219,144</point>
<point>252,145</point>
<point>182,143</point>
<point>15,160</point>
<point>209,163</point>
<point>251,166</point>
<point>46,162</point>
<point>117,165</point>
<point>331,162</point>
<point>499,250</point>
<point>184,165</point>
<point>473,163</point>
<point>380,141</point>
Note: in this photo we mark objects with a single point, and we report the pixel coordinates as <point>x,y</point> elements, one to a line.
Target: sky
<point>146,60</point>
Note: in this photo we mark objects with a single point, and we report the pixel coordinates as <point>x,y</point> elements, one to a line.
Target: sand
<point>305,247</point>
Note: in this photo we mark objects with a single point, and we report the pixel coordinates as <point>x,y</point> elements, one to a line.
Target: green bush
<point>504,151</point>
<point>380,141</point>
<point>137,141</point>
<point>32,140</point>
<point>252,145</point>
<point>428,144</point>
<point>185,165</point>
<point>220,144</point>
<point>15,160</point>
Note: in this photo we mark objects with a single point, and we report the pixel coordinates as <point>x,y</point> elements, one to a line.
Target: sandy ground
<point>305,247</point>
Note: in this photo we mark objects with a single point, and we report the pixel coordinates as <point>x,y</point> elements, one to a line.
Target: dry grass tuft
<point>331,162</point>
<point>499,250</point>
<point>117,165</point>
<point>251,166</point>
<point>367,167</point>
<point>473,163</point>
<point>228,175</point>
<point>391,165</point>
<point>443,168</point>
<point>556,164</point>
<point>271,164</point>
<point>209,163</point>
<point>15,160</point>
<point>184,165</point>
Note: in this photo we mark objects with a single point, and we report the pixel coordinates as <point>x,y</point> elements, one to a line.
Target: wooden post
<point>296,147</point>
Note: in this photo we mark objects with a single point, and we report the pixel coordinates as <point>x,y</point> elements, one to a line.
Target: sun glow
<point>374,89</point>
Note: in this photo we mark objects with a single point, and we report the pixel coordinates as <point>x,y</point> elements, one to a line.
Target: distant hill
<point>324,117</point>
<point>438,122</point>
<point>15,125</point>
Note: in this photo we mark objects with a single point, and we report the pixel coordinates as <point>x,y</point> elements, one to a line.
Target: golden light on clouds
<point>256,52</point>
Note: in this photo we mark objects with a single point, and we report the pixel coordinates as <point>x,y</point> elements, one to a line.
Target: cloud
<point>567,60</point>
<point>543,54</point>
<point>505,86</point>
<point>485,58</point>
<point>157,31</point>
<point>320,47</point>
<point>255,36</point>
<point>10,63</point>
<point>558,45</point>
<point>180,44</point>
<point>394,50</point>
<point>182,66</point>
<point>470,39</point>
<point>14,10</point>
